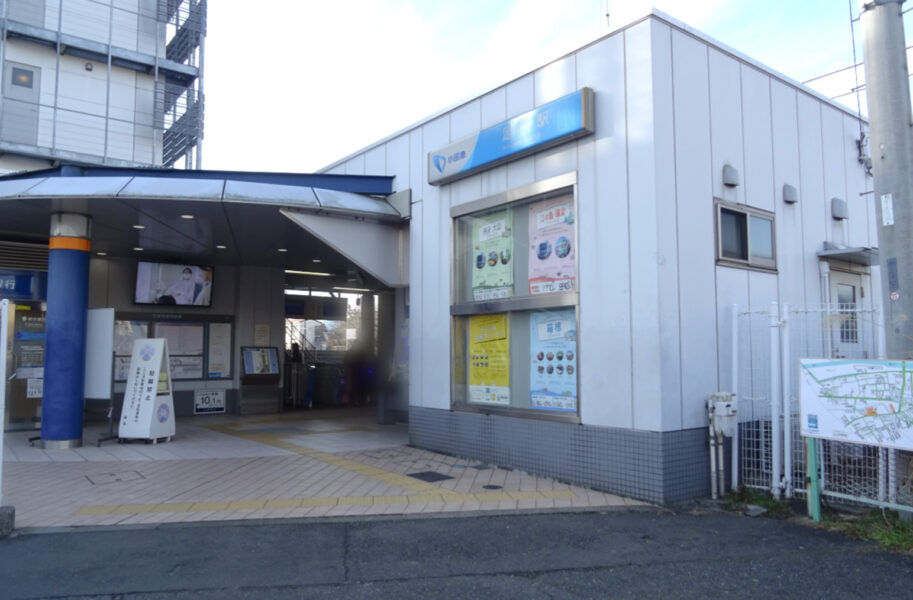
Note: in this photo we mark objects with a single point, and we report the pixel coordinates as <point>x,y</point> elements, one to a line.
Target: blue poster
<point>553,355</point>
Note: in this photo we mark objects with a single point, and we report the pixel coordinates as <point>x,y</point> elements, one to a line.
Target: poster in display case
<point>552,246</point>
<point>489,359</point>
<point>553,360</point>
<point>492,248</point>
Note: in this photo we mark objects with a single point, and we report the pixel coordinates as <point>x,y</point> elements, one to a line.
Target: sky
<point>295,85</point>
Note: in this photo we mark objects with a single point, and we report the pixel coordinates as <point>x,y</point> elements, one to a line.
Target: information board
<point>208,401</point>
<point>861,401</point>
<point>148,411</point>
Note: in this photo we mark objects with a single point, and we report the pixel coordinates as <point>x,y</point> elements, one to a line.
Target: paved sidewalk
<point>310,464</point>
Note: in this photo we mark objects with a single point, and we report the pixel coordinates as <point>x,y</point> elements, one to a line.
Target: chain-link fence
<point>767,346</point>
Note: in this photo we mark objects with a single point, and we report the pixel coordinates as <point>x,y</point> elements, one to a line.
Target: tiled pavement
<point>225,467</point>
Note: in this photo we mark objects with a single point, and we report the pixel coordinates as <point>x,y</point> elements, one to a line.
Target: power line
<point>842,69</point>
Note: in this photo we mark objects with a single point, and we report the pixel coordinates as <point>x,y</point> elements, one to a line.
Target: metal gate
<point>766,346</point>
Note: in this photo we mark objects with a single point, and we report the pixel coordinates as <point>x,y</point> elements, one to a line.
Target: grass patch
<point>740,499</point>
<point>879,525</point>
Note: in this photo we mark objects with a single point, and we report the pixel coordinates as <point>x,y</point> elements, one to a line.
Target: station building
<point>556,258</point>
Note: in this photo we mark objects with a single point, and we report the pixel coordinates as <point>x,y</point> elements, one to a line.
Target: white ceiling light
<point>314,273</point>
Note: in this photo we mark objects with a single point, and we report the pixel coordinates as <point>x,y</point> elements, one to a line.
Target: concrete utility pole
<point>891,147</point>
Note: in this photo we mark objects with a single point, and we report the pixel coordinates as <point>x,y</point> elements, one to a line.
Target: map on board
<point>861,401</point>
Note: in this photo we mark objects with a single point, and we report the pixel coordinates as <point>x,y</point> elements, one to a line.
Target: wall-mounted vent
<point>28,257</point>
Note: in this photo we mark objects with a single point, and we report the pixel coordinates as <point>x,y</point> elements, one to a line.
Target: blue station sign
<point>23,285</point>
<point>561,120</point>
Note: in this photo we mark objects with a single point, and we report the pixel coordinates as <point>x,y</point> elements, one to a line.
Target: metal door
<point>846,294</point>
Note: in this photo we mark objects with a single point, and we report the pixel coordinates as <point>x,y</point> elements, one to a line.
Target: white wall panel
<point>398,163</point>
<point>418,165</point>
<point>521,172</point>
<point>605,281</point>
<point>376,160</point>
<point>725,122</point>
<point>811,192</point>
<point>416,307</point>
<point>435,275</point>
<point>465,120</point>
<point>120,140</point>
<point>646,356</point>
<point>759,178</point>
<point>762,288</point>
<point>833,139</point>
<point>791,265</point>
<point>731,288</point>
<point>356,165</point>
<point>494,107</point>
<point>520,96</point>
<point>465,190</point>
<point>125,29</point>
<point>555,161</point>
<point>555,80</point>
<point>694,192</point>
<point>667,253</point>
<point>493,181</point>
<point>861,207</point>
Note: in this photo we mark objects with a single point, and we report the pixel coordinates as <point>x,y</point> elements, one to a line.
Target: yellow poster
<point>489,359</point>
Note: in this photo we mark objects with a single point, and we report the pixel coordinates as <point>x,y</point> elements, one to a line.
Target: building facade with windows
<point>101,82</point>
<point>559,256</point>
<point>580,234</point>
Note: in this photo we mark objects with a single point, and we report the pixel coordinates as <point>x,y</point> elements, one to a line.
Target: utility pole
<point>891,148</point>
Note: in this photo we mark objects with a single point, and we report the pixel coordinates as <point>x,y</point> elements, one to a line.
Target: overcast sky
<point>294,85</point>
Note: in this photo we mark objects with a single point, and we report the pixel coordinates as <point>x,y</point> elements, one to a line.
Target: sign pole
<point>4,344</point>
<point>813,497</point>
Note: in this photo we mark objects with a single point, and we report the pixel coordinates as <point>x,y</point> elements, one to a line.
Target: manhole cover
<point>430,476</point>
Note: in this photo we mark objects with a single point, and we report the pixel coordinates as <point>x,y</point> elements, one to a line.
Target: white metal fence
<point>766,346</point>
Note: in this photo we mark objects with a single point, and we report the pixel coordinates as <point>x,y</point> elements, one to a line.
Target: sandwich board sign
<point>148,411</point>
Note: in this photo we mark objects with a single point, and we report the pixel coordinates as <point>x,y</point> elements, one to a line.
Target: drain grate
<point>430,476</point>
<point>122,477</point>
<point>491,487</point>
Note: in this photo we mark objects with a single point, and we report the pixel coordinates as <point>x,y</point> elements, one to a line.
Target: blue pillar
<point>65,342</point>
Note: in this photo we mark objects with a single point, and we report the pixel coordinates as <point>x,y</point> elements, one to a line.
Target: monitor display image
<point>260,360</point>
<point>173,284</point>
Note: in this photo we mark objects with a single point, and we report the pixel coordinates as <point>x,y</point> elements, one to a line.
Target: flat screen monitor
<point>260,360</point>
<point>173,284</point>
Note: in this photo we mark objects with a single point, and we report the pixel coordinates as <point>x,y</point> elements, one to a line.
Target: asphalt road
<point>623,554</point>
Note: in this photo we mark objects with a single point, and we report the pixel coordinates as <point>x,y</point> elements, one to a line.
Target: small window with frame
<point>745,236</point>
<point>22,77</point>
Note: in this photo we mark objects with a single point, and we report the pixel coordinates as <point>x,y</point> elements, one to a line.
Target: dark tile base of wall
<point>665,468</point>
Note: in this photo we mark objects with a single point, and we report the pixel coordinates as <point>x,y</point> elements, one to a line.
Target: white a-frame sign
<point>148,411</point>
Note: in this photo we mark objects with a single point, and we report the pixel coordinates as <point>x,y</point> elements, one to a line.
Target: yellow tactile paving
<point>277,440</point>
<point>273,467</point>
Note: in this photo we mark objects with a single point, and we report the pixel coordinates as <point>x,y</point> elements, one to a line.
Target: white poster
<point>34,388</point>
<point>183,338</point>
<point>148,411</point>
<point>219,350</point>
<point>261,334</point>
<point>186,367</point>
